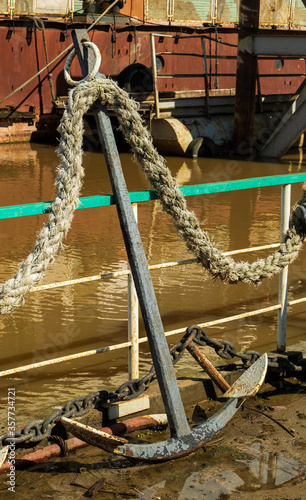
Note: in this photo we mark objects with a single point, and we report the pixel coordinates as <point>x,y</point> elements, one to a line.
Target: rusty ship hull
<point>186,87</point>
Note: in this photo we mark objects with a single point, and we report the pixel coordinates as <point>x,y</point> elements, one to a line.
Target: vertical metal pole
<point>245,79</point>
<point>205,76</point>
<point>133,323</point>
<point>291,13</point>
<point>11,8</point>
<point>170,10</point>
<point>154,71</point>
<point>259,90</point>
<point>283,277</point>
<point>213,11</point>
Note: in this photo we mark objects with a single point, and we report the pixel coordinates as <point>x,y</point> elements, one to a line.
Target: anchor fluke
<point>248,384</point>
<point>92,436</point>
<point>178,446</point>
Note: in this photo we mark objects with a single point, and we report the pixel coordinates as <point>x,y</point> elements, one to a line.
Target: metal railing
<point>206,74</point>
<point>285,181</point>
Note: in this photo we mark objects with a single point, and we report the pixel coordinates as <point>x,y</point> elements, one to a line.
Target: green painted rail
<point>13,211</point>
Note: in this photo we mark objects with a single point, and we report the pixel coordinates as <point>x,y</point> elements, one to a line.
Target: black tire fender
<point>136,78</point>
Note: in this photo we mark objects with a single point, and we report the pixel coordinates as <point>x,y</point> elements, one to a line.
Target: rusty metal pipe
<point>208,367</point>
<point>54,450</point>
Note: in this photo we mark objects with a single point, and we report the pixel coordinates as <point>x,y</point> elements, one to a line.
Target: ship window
<point>279,64</point>
<point>160,63</point>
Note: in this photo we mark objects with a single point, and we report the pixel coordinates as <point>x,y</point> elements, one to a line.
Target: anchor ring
<point>91,74</point>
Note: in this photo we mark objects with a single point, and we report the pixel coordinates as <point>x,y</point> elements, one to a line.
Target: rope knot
<point>299,218</point>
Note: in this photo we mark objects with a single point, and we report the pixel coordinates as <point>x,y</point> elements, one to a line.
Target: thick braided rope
<point>186,223</point>
<point>69,182</point>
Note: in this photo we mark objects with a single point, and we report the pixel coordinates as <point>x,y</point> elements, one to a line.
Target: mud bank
<point>260,454</point>
<point>254,455</point>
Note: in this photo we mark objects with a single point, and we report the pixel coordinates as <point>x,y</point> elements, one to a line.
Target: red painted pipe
<point>54,450</point>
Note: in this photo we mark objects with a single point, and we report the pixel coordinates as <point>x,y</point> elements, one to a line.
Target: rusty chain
<point>226,350</point>
<point>35,432</point>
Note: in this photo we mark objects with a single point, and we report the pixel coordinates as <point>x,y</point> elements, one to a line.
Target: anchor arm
<point>177,447</point>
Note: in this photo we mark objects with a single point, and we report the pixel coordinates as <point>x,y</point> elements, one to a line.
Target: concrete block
<point>123,408</point>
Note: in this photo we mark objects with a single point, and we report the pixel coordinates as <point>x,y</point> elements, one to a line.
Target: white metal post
<point>283,277</point>
<point>133,323</point>
<point>11,5</point>
<point>213,11</point>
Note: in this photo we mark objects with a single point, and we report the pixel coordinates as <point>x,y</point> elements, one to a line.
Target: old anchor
<point>178,445</point>
<point>183,440</point>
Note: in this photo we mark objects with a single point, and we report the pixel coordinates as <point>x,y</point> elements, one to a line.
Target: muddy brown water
<point>78,318</point>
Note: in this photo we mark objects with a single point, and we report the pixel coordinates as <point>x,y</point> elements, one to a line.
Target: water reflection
<point>272,469</point>
<point>223,483</point>
<point>183,175</point>
<point>261,471</point>
<point>82,317</point>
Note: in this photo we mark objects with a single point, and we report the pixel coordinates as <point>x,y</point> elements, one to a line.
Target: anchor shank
<point>139,268</point>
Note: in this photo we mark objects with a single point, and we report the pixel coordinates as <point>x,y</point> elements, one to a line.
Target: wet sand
<point>260,454</point>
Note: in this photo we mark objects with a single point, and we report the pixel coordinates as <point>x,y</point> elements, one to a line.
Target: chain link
<point>227,350</point>
<point>133,388</point>
<point>35,432</point>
